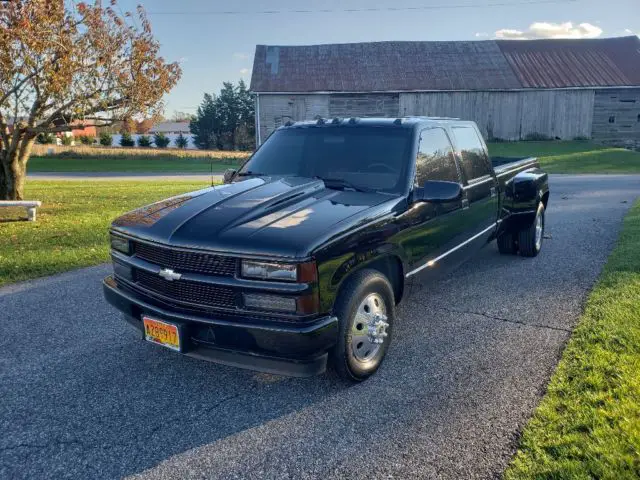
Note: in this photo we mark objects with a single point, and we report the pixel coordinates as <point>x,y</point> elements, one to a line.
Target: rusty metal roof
<point>605,62</point>
<point>382,66</point>
<point>424,66</point>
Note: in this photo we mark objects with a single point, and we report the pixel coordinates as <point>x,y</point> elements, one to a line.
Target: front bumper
<point>295,350</point>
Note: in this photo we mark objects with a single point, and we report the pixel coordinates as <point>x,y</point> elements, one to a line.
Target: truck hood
<point>281,217</point>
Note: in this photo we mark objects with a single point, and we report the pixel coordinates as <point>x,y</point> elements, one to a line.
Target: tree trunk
<point>14,168</point>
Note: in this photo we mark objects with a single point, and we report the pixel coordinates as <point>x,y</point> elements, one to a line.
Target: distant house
<point>558,88</point>
<point>88,129</point>
<point>171,128</point>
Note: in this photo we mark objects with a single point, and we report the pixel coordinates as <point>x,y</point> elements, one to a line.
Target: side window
<point>474,160</point>
<point>435,158</point>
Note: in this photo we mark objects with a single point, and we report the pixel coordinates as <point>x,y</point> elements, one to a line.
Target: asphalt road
<point>83,397</point>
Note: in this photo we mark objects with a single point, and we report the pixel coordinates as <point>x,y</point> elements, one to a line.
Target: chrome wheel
<point>369,329</point>
<point>539,231</point>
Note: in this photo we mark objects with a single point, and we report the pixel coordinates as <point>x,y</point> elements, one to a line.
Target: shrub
<point>67,140</point>
<point>46,138</point>
<point>86,139</point>
<point>126,140</point>
<point>144,141</point>
<point>537,137</point>
<point>161,140</point>
<point>181,141</point>
<point>106,140</point>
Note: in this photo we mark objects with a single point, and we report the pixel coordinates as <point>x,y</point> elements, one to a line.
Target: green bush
<point>106,140</point>
<point>161,140</point>
<point>126,140</point>
<point>144,141</point>
<point>67,140</point>
<point>181,141</point>
<point>86,139</point>
<point>46,138</point>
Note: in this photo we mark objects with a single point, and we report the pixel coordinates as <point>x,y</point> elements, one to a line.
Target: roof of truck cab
<point>401,122</point>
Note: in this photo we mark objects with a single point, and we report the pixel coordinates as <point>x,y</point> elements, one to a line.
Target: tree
<point>106,140</point>
<point>225,121</point>
<point>144,126</point>
<point>126,140</point>
<point>181,117</point>
<point>206,124</point>
<point>62,64</point>
<point>46,138</point>
<point>144,141</point>
<point>181,141</point>
<point>161,140</point>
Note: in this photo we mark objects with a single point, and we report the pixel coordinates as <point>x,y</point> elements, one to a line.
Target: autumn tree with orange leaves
<point>61,67</point>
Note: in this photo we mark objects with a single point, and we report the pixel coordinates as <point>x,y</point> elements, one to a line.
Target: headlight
<point>288,272</point>
<point>270,271</point>
<point>120,244</point>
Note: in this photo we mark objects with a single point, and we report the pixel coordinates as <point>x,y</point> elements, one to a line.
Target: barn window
<point>612,119</point>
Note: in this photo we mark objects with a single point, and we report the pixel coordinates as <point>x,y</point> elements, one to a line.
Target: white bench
<point>30,205</point>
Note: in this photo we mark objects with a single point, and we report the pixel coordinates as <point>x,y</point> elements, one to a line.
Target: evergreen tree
<point>225,121</point>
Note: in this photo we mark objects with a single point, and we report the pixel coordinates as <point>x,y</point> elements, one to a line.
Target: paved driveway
<point>83,397</point>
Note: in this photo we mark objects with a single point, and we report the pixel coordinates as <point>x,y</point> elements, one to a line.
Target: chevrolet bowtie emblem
<point>169,274</point>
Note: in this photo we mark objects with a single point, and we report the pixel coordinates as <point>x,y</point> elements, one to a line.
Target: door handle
<point>465,203</point>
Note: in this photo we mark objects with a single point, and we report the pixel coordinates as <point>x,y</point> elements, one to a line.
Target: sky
<point>213,46</point>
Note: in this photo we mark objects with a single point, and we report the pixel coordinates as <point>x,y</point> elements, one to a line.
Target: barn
<point>514,89</point>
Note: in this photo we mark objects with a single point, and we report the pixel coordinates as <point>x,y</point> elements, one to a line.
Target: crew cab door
<point>433,230</point>
<point>480,200</point>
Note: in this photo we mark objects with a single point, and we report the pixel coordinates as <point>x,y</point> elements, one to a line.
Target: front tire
<point>366,312</point>
<point>530,238</point>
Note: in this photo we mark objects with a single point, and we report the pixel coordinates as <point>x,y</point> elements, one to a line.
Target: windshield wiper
<point>253,174</point>
<point>341,183</point>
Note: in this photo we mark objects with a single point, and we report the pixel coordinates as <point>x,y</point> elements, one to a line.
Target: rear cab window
<point>474,162</point>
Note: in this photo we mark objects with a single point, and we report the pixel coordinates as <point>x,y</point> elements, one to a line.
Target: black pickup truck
<point>300,258</point>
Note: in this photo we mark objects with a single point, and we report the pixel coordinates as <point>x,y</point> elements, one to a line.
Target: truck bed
<point>514,165</point>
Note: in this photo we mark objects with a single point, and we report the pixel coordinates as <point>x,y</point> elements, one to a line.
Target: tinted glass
<point>369,157</point>
<point>474,160</point>
<point>435,158</point>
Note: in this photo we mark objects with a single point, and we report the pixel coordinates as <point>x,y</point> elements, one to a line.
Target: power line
<point>360,10</point>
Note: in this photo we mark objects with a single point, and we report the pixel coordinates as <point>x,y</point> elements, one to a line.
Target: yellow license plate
<point>162,333</point>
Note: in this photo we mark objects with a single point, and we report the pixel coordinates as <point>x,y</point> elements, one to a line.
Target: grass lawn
<point>133,164</point>
<point>572,157</point>
<point>588,424</point>
<point>71,230</point>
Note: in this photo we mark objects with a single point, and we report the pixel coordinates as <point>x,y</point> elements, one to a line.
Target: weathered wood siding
<point>510,115</point>
<point>616,117</point>
<point>276,110</point>
<point>364,105</point>
<point>564,114</point>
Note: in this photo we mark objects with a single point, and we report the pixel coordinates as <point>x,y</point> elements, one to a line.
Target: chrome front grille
<point>184,291</point>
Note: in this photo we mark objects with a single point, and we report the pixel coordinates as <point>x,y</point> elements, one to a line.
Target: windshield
<point>368,158</point>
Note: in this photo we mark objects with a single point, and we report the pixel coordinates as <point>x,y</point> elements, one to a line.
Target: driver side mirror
<point>438,191</point>
<point>228,175</point>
